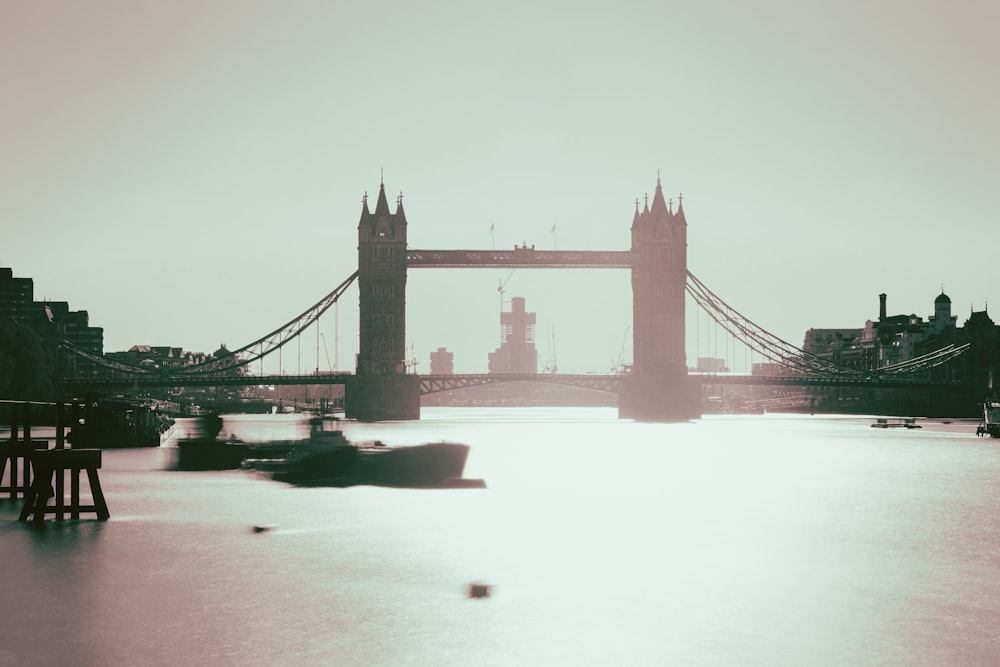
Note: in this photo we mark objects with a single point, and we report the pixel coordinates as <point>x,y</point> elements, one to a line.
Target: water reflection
<point>737,541</point>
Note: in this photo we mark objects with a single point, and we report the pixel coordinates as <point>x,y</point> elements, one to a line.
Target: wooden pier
<point>43,470</point>
<point>51,466</point>
<point>17,455</point>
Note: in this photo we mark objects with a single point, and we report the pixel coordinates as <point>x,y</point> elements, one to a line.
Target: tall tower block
<point>381,389</point>
<point>658,388</point>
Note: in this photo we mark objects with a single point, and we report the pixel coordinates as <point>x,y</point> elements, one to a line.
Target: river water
<point>732,540</point>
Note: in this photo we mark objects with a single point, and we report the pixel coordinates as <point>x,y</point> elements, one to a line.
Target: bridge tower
<point>381,389</point>
<point>658,388</point>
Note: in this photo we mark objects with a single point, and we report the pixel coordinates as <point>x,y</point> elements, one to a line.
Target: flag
<point>553,228</point>
<point>491,229</point>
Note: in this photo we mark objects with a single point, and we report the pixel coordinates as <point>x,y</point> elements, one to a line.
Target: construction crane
<point>552,365</point>
<point>618,365</point>
<point>411,362</point>
<point>502,287</point>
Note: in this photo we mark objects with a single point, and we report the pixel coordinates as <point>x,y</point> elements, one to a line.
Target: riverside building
<point>53,321</point>
<point>893,339</point>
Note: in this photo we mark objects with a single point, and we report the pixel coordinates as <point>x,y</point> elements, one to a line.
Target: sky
<point>191,173</point>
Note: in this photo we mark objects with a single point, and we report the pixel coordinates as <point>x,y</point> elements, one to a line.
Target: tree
<point>25,365</point>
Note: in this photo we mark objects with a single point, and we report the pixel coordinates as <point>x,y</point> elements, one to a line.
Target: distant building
<point>711,365</point>
<point>160,357</point>
<point>442,362</point>
<point>819,341</point>
<point>841,346</point>
<point>167,359</point>
<point>768,369</point>
<point>517,353</point>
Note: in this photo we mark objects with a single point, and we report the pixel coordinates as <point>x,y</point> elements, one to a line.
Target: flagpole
<point>554,236</point>
<point>493,238</point>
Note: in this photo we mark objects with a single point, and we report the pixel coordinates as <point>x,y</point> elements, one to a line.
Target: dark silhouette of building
<point>894,339</point>
<point>517,353</point>
<point>17,296</point>
<point>980,365</point>
<point>74,326</point>
<point>382,287</point>
<point>382,389</point>
<point>53,321</point>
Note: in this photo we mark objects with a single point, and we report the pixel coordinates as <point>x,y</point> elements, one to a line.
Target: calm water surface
<point>757,540</point>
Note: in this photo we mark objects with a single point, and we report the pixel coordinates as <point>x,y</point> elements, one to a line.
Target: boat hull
<point>431,465</point>
<point>210,455</point>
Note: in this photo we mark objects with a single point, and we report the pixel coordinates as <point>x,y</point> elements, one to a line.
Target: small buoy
<point>262,528</point>
<point>479,591</point>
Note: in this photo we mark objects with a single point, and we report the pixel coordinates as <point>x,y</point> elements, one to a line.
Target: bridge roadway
<point>433,383</point>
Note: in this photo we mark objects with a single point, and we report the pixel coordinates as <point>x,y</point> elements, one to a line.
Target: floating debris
<point>479,591</point>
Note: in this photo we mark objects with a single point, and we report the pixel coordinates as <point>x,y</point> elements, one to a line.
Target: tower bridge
<point>658,387</point>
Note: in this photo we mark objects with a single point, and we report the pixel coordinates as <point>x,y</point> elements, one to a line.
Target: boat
<point>201,448</point>
<point>204,446</point>
<point>333,460</point>
<point>989,424</point>
<point>896,422</point>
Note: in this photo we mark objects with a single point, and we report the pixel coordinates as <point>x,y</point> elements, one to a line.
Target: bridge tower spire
<point>659,388</point>
<point>383,390</point>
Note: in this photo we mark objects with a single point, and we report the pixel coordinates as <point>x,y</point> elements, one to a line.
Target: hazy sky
<point>191,173</point>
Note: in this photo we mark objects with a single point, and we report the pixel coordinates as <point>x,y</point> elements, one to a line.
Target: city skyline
<point>193,175</point>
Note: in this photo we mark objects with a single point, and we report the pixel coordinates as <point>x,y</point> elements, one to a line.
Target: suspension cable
<point>242,357</point>
<point>272,341</point>
<point>784,353</point>
<point>758,339</point>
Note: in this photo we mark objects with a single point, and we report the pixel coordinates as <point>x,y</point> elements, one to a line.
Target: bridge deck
<point>433,383</point>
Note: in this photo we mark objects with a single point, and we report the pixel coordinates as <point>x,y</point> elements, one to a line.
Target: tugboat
<point>332,460</point>
<point>201,449</point>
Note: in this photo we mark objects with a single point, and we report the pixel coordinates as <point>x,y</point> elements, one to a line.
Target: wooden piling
<point>18,455</point>
<point>51,466</point>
